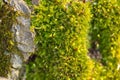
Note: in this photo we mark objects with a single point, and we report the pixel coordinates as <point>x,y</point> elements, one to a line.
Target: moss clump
<point>6,38</point>
<point>61,39</point>
<point>106,32</point>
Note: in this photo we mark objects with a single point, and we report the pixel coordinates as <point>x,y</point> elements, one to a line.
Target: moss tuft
<point>6,38</point>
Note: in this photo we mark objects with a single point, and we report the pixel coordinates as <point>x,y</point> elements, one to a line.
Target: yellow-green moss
<point>7,17</point>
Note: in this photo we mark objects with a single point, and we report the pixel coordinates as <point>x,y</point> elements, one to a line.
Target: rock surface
<point>23,37</point>
<point>35,2</point>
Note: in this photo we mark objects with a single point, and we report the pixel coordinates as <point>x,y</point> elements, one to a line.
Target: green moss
<point>106,32</point>
<point>6,38</point>
<point>29,2</point>
<point>61,40</point>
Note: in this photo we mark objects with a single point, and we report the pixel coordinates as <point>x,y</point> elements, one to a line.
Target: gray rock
<point>13,75</point>
<point>16,61</point>
<point>35,2</point>
<point>23,37</point>
<point>19,5</point>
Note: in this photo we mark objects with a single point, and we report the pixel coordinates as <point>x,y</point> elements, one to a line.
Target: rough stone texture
<point>22,34</point>
<point>35,2</point>
<point>16,61</point>
<point>23,37</point>
<point>14,74</point>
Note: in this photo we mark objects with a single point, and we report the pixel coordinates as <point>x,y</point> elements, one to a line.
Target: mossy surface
<point>6,38</point>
